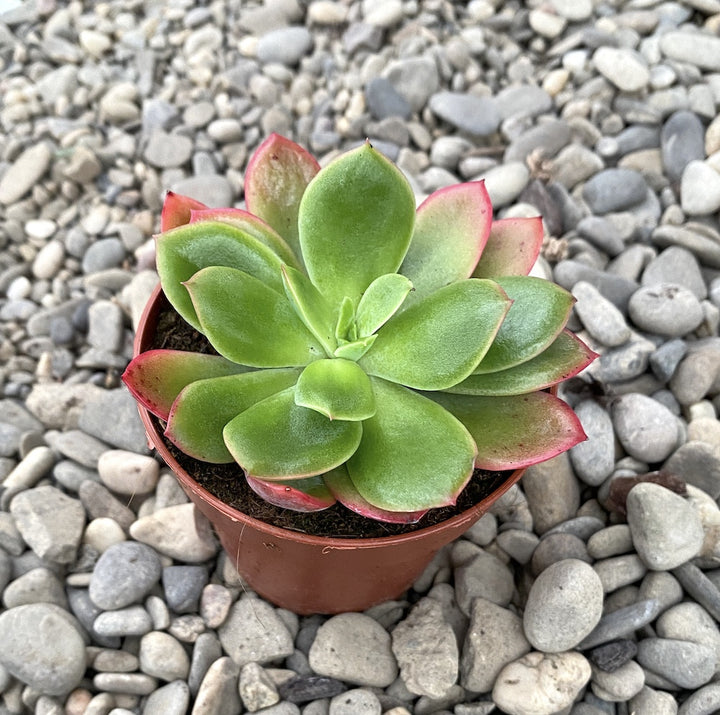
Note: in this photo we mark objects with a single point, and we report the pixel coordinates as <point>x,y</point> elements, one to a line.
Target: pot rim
<point>328,542</point>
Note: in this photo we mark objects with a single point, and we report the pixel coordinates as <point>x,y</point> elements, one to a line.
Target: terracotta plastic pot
<point>311,574</point>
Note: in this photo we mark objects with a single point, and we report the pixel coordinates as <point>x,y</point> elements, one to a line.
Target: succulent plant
<point>368,352</point>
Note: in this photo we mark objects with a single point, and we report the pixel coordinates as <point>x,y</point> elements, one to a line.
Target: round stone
<point>164,657</point>
<point>124,574</point>
<point>128,473</point>
<point>355,648</point>
<point>646,429</point>
<point>42,647</point>
<point>564,605</point>
<point>666,528</point>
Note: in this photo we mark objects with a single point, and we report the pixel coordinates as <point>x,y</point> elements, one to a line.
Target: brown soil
<point>227,482</point>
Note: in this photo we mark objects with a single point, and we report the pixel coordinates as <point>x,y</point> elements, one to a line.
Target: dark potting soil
<point>227,481</point>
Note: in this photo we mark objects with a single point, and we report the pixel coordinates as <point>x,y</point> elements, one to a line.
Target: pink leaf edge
<point>289,494</point>
<point>177,210</point>
<point>512,247</point>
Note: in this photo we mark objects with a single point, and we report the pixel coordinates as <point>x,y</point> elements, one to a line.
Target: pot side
<point>300,572</point>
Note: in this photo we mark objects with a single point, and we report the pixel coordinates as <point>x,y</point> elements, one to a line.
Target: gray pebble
<point>611,541</point>
<point>665,309</point>
<point>619,685</point>
<point>163,657</point>
<point>682,141</point>
<point>695,374</point>
<point>42,647</point>
<point>594,459</point>
<point>355,648</point>
<point>50,522</point>
<point>124,574</point>
<point>38,585</point>
<point>647,430</point>
<point>170,699</point>
<point>563,606</point>
<point>129,621</point>
<point>358,701</point>
<point>690,622</point>
<point>653,702</point>
<point>700,587</point>
<point>220,685</point>
<point>206,650</point>
<point>665,359</point>
<point>286,45</point>
<point>619,571</point>
<point>484,576</point>
<point>183,586</point>
<point>552,492</point>
<point>476,115</point>
<point>676,265</point>
<point>621,623</point>
<point>666,529</point>
<point>556,547</point>
<point>253,632</point>
<point>383,100</point>
<point>688,665</point>
<point>698,463</point>
<point>704,701</point>
<point>614,190</point>
<point>257,689</point>
<point>103,254</point>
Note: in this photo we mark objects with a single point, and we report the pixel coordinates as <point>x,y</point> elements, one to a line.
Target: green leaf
<point>380,302</point>
<point>451,228</point>
<point>346,321</point>
<point>184,251</point>
<point>512,248</point>
<point>413,455</point>
<point>306,495</point>
<point>517,430</point>
<point>566,357</point>
<point>311,307</point>
<point>251,224</point>
<point>339,482</point>
<point>249,323</point>
<point>336,388</point>
<point>156,377</point>
<point>356,349</point>
<point>437,342</point>
<point>356,219</point>
<point>277,439</point>
<point>275,181</point>
<point>539,312</point>
<point>203,408</point>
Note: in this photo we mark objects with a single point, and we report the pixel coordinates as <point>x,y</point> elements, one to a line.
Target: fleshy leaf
<point>277,439</point>
<point>517,430</point>
<point>451,229</point>
<point>275,181</point>
<point>346,321</point>
<point>356,349</point>
<point>339,482</point>
<point>251,224</point>
<point>311,307</point>
<point>249,323</point>
<point>306,495</point>
<point>356,220</point>
<point>338,389</point>
<point>380,302</point>
<point>436,342</point>
<point>203,408</point>
<point>565,358</point>
<point>413,455</point>
<point>539,312</point>
<point>177,210</point>
<point>512,248</point>
<point>184,251</point>
<point>156,377</point>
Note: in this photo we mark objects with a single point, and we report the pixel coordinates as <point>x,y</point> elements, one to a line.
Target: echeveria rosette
<point>368,352</point>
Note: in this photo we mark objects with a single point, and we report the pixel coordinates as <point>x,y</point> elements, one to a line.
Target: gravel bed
<point>587,590</point>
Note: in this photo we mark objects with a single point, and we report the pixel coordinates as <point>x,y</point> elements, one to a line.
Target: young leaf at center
<point>380,302</point>
<point>338,389</point>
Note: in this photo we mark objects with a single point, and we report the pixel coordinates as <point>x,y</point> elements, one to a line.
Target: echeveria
<point>367,352</point>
